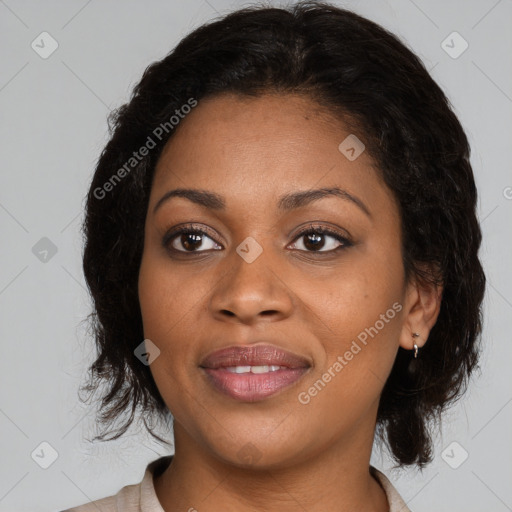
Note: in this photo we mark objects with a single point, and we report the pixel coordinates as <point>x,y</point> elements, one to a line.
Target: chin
<point>258,452</point>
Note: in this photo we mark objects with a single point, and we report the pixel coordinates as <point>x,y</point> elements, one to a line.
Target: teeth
<point>240,369</point>
<point>253,369</point>
<point>263,369</point>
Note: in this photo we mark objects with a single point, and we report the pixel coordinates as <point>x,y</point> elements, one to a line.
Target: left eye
<point>315,241</point>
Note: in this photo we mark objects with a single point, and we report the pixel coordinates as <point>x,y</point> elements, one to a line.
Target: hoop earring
<point>412,367</point>
<point>415,335</point>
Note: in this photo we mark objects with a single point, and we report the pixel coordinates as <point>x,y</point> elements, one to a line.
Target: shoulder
<point>139,497</point>
<point>126,500</point>
<point>396,503</point>
<point>103,505</point>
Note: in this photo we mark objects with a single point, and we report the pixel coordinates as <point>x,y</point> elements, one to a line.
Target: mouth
<point>253,373</point>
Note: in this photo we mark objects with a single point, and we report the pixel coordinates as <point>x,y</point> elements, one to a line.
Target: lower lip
<point>251,387</point>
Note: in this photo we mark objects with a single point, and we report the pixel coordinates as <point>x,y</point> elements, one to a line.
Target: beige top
<point>142,497</point>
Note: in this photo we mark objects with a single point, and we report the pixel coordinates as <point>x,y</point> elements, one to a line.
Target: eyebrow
<point>286,202</point>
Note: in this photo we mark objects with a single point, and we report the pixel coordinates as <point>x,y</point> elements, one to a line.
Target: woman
<point>282,248</point>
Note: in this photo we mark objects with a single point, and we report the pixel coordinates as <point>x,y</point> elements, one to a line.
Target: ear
<point>421,309</point>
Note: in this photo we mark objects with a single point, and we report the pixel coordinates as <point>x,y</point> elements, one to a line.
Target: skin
<point>313,456</point>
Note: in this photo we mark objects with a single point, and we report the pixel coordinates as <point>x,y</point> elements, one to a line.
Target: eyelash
<point>311,229</point>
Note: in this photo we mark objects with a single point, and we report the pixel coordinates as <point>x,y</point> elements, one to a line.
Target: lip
<point>252,387</point>
<point>253,355</point>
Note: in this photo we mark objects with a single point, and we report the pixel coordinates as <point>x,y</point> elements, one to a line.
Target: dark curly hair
<point>367,77</point>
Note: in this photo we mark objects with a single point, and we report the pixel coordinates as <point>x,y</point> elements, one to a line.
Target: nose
<point>252,292</point>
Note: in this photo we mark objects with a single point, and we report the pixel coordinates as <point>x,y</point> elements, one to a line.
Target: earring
<point>415,335</point>
<point>412,367</point>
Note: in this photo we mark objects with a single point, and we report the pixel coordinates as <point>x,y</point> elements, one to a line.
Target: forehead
<point>253,148</point>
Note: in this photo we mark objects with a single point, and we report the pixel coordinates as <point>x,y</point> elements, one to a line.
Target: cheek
<point>161,313</point>
<point>360,348</point>
<point>362,311</point>
<point>151,292</point>
<point>169,300</point>
<point>161,310</point>
<point>164,297</point>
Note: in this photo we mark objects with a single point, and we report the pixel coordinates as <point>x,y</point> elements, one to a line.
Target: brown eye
<point>187,239</point>
<point>317,240</point>
<point>190,241</point>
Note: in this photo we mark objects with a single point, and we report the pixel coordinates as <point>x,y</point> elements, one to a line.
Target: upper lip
<point>253,355</point>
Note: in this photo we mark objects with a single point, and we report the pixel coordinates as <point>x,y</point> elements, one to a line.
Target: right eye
<point>190,239</point>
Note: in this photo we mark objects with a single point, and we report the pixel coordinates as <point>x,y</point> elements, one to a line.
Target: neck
<point>334,479</point>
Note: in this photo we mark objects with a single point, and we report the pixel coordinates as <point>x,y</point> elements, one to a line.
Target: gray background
<point>53,127</point>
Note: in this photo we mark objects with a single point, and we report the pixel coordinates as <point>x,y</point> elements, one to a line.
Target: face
<point>313,282</point>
